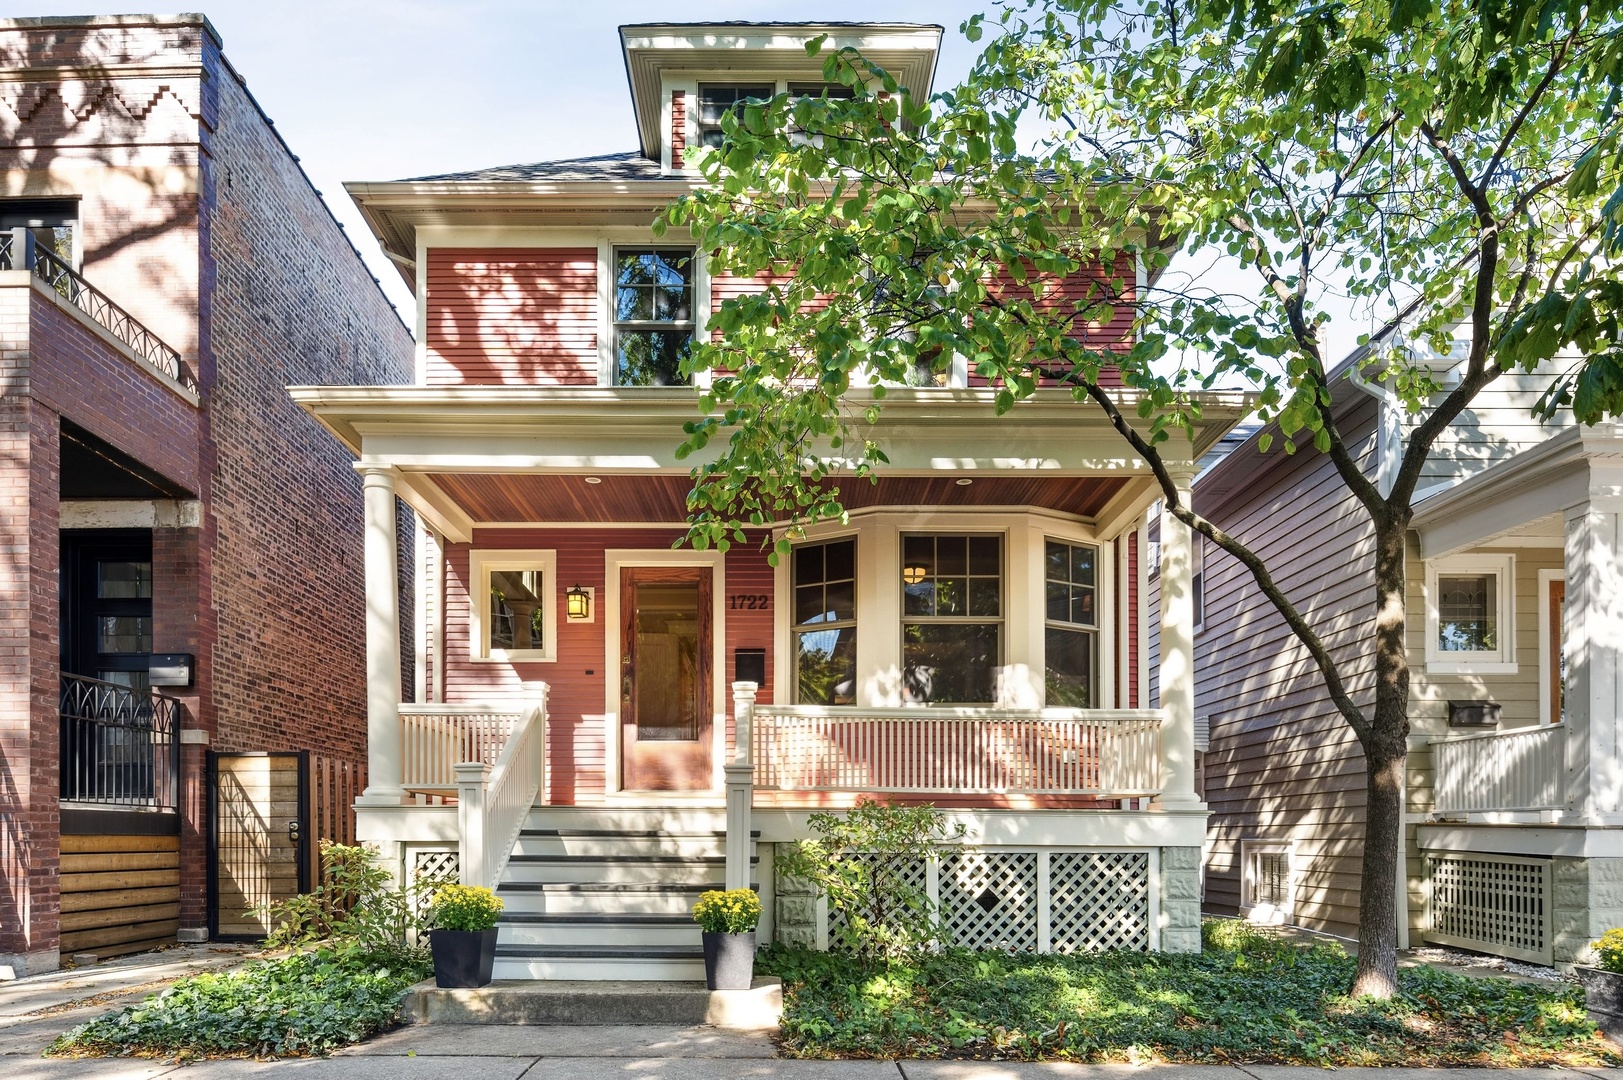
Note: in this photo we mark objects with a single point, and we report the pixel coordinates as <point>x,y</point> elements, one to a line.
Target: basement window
<point>1267,883</point>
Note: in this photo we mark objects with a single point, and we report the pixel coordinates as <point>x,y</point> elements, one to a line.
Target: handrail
<point>1521,769</point>
<point>435,738</point>
<point>1112,753</point>
<point>494,800</point>
<point>18,251</point>
<point>119,747</point>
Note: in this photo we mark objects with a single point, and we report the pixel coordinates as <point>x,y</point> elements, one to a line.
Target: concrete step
<point>583,869</point>
<point>598,1001</point>
<point>596,842</point>
<point>683,822</point>
<point>587,930</point>
<point>602,898</point>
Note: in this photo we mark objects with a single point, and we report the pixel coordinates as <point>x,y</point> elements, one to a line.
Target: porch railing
<point>1520,769</point>
<point>494,799</point>
<point>435,739</point>
<point>1106,753</point>
<point>119,747</point>
<point>19,251</point>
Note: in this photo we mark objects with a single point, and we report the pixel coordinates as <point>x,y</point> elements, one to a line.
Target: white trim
<point>420,616</point>
<point>1249,907</point>
<point>614,560</point>
<point>1144,613</point>
<point>1501,661</point>
<point>1545,579</point>
<point>480,564</point>
<point>1197,579</point>
<point>439,636</point>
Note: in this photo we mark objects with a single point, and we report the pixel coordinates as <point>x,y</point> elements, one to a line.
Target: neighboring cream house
<point>608,724</point>
<point>1514,829</point>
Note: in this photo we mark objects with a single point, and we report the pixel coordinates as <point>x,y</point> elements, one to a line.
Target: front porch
<point>607,723</point>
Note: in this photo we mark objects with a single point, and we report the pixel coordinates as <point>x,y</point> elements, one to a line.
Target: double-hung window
<point>1071,624</point>
<point>716,102</point>
<point>653,315</point>
<point>825,630</point>
<point>1470,614</point>
<point>952,618</point>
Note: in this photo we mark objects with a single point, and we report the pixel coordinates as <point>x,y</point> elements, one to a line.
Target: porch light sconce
<point>580,604</point>
<point>913,575</point>
<point>964,481</point>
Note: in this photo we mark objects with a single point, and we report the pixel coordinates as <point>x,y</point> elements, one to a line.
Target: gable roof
<point>631,165</point>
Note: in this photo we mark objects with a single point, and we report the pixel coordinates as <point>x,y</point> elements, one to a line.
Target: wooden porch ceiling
<point>525,497</point>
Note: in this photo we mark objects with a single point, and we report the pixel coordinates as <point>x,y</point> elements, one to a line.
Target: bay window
<point>1071,624</point>
<point>825,623</point>
<point>952,618</point>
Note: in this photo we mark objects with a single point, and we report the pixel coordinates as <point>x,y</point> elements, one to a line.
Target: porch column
<point>1177,673</point>
<point>382,639</point>
<point>1592,628</point>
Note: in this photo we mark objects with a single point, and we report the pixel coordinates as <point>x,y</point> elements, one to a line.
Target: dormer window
<point>716,101</point>
<point>653,315</point>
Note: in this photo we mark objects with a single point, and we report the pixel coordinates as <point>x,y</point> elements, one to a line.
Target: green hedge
<point>306,1003</point>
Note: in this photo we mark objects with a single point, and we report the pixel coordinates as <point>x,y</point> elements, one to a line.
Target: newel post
<point>740,787</point>
<point>471,778</point>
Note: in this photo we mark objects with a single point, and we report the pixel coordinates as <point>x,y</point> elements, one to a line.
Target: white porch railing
<point>1520,769</point>
<point>437,738</point>
<point>1107,753</point>
<point>494,800</point>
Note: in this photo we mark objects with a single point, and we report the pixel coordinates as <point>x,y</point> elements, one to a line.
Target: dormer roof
<point>754,49</point>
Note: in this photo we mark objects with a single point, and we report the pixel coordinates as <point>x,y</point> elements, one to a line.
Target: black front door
<point>107,605</point>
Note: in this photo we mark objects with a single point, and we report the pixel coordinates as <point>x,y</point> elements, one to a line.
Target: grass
<point>305,1003</point>
<point>1248,998</point>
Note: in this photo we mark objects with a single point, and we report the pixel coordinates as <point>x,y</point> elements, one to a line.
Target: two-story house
<point>1513,834</point>
<point>612,722</point>
<point>181,662</point>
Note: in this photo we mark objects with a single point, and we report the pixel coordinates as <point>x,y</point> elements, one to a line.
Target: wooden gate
<point>259,838</point>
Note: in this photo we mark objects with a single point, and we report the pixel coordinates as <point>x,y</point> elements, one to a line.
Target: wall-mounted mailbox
<point>170,669</point>
<point>1473,714</point>
<point>749,665</point>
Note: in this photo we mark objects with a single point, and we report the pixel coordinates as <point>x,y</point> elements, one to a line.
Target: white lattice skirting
<point>432,866</point>
<point>1497,904</point>
<point>1038,901</point>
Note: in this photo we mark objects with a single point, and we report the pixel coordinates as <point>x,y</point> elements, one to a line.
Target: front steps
<point>599,1002</point>
<point>608,895</point>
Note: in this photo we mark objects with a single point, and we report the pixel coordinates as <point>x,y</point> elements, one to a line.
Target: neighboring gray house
<point>1514,825</point>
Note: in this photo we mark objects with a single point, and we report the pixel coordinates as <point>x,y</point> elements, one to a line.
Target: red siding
<point>512,316</point>
<point>679,127</point>
<point>1133,617</point>
<point>577,678</point>
<point>1087,286</point>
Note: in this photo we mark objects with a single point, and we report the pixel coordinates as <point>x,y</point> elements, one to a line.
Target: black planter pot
<point>1603,998</point>
<point>729,960</point>
<point>462,958</point>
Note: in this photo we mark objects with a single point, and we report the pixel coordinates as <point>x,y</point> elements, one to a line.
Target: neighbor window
<point>513,605</point>
<point>1070,636</point>
<point>1267,891</point>
<point>653,315</point>
<point>717,101</point>
<point>1469,614</point>
<point>952,618</point>
<point>52,221</point>
<point>825,650</point>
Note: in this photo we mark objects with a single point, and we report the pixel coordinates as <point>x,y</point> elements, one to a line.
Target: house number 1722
<point>749,601</point>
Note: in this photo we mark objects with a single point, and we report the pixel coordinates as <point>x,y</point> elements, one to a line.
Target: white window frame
<point>1500,661</point>
<point>1197,579</point>
<point>1249,907</point>
<point>480,565</point>
<point>1096,630</point>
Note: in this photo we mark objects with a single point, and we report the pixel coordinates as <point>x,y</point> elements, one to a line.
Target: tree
<point>1460,159</point>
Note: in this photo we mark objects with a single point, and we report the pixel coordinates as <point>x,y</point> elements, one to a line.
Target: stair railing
<point>494,800</point>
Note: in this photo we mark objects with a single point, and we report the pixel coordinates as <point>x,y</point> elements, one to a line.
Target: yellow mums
<point>465,907</point>
<point>736,911</point>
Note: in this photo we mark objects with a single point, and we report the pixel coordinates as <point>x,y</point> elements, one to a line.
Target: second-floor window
<point>717,101</point>
<point>653,315</point>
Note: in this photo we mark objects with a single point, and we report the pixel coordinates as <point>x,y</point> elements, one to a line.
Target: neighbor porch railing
<point>1520,769</point>
<point>120,747</point>
<point>493,799</point>
<point>19,251</point>
<point>969,751</point>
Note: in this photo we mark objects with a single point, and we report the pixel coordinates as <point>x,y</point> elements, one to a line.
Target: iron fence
<point>120,747</point>
<point>18,251</point>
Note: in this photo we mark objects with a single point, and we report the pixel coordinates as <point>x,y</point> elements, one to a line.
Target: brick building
<point>182,682</point>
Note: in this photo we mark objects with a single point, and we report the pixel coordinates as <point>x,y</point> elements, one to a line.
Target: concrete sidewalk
<point>478,1052</point>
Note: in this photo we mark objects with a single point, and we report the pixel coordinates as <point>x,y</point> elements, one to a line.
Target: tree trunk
<point>1386,750</point>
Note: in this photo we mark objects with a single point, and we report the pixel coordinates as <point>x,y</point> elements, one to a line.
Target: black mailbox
<point>170,669</point>
<point>1477,714</point>
<point>749,665</point>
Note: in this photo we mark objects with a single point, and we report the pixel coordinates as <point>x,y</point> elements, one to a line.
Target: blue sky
<point>385,89</point>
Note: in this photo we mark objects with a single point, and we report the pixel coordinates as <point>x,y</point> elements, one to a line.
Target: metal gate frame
<point>301,857</point>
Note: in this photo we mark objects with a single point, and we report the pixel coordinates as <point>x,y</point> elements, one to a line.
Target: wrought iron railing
<point>120,747</point>
<point>18,251</point>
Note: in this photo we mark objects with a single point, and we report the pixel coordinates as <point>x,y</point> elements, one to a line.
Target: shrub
<point>356,907</point>
<point>464,907</point>
<point>306,1003</point>
<point>860,862</point>
<point>1609,951</point>
<point>736,911</point>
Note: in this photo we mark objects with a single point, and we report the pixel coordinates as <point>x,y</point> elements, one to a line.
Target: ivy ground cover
<point>1248,997</point>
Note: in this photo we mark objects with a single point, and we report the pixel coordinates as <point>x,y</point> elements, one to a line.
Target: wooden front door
<point>258,854</point>
<point>665,674</point>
